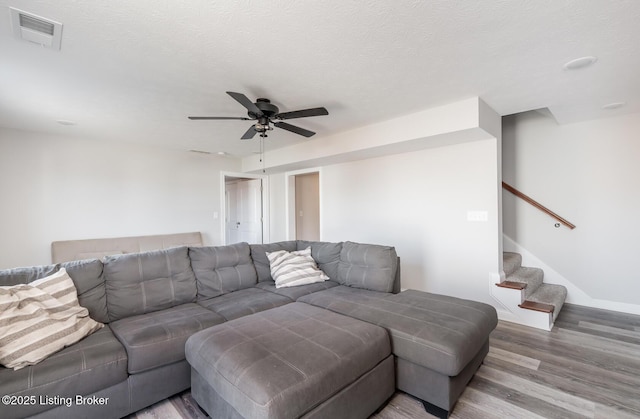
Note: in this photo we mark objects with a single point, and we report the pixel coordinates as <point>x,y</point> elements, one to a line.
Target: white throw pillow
<point>41,318</point>
<point>290,269</point>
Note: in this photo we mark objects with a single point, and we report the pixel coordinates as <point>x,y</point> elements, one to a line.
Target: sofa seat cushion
<point>156,339</point>
<point>435,331</point>
<point>243,302</point>
<point>92,364</point>
<point>296,292</point>
<point>281,363</point>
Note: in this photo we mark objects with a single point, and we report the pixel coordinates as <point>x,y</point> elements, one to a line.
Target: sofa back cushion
<point>139,283</point>
<point>368,266</point>
<point>222,269</point>
<point>326,255</point>
<point>259,257</point>
<point>86,275</point>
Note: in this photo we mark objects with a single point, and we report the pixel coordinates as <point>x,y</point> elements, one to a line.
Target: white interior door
<point>231,211</point>
<point>244,211</point>
<point>250,211</point>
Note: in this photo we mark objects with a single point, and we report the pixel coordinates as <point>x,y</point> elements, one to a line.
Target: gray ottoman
<point>439,341</point>
<point>292,361</point>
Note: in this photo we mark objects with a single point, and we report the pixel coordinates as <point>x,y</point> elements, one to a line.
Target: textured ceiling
<point>134,70</point>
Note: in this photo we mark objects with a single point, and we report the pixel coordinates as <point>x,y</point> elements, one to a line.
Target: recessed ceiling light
<point>65,122</point>
<point>221,153</point>
<point>581,62</point>
<point>614,105</point>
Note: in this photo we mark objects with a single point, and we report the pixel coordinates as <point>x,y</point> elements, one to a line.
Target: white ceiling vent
<point>36,29</point>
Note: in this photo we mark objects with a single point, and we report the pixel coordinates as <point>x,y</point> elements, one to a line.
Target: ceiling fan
<point>265,113</point>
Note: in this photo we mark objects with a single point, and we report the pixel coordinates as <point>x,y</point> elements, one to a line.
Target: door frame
<point>290,199</point>
<point>265,202</point>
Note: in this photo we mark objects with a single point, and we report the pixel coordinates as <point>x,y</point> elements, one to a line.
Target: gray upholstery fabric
<point>296,292</point>
<point>439,332</point>
<point>368,266</point>
<point>281,363</point>
<point>156,339</point>
<point>86,276</point>
<point>326,255</point>
<point>362,398</point>
<point>222,269</point>
<point>243,302</point>
<point>358,400</point>
<point>89,281</point>
<point>259,257</point>
<point>118,406</point>
<point>434,387</point>
<point>209,400</point>
<point>25,275</point>
<point>142,283</point>
<point>151,386</point>
<point>96,362</point>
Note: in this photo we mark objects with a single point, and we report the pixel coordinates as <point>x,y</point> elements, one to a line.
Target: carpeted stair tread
<point>550,294</point>
<point>537,295</point>
<point>511,262</point>
<point>531,276</point>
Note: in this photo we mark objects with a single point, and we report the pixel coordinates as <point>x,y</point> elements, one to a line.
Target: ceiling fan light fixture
<point>265,113</point>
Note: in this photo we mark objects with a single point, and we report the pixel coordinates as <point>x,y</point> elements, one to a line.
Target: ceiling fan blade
<point>200,118</point>
<point>251,132</point>
<point>302,113</point>
<point>246,102</point>
<point>294,129</point>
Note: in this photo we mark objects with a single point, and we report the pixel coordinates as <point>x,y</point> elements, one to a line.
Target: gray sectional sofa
<point>155,303</point>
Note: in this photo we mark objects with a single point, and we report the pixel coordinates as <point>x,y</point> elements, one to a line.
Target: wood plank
<point>599,387</point>
<point>517,359</point>
<point>612,330</point>
<point>508,399</point>
<point>600,316</point>
<point>512,285</point>
<point>532,305</point>
<point>547,394</point>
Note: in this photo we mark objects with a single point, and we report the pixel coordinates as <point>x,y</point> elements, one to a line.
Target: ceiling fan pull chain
<point>262,152</point>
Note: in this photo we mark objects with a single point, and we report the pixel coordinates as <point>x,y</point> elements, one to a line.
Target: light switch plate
<point>478,216</point>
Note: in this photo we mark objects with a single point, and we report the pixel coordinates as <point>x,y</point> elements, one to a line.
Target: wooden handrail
<point>537,205</point>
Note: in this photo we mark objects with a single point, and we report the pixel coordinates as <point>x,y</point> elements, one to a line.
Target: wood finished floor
<point>588,366</point>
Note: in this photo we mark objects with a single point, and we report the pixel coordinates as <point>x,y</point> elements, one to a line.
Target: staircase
<point>534,295</point>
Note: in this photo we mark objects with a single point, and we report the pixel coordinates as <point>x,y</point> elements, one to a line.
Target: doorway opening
<point>244,209</point>
<point>303,202</point>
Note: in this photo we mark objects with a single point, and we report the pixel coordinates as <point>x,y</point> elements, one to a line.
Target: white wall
<point>588,173</point>
<point>418,202</point>
<point>55,188</point>
<point>409,182</point>
<point>277,208</point>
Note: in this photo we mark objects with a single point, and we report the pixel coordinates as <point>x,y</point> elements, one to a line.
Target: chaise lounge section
<point>153,303</point>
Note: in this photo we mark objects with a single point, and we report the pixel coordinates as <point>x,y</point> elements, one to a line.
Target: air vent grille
<point>36,24</point>
<point>36,29</point>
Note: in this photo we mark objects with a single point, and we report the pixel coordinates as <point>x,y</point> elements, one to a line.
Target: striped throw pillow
<point>290,269</point>
<point>41,318</point>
